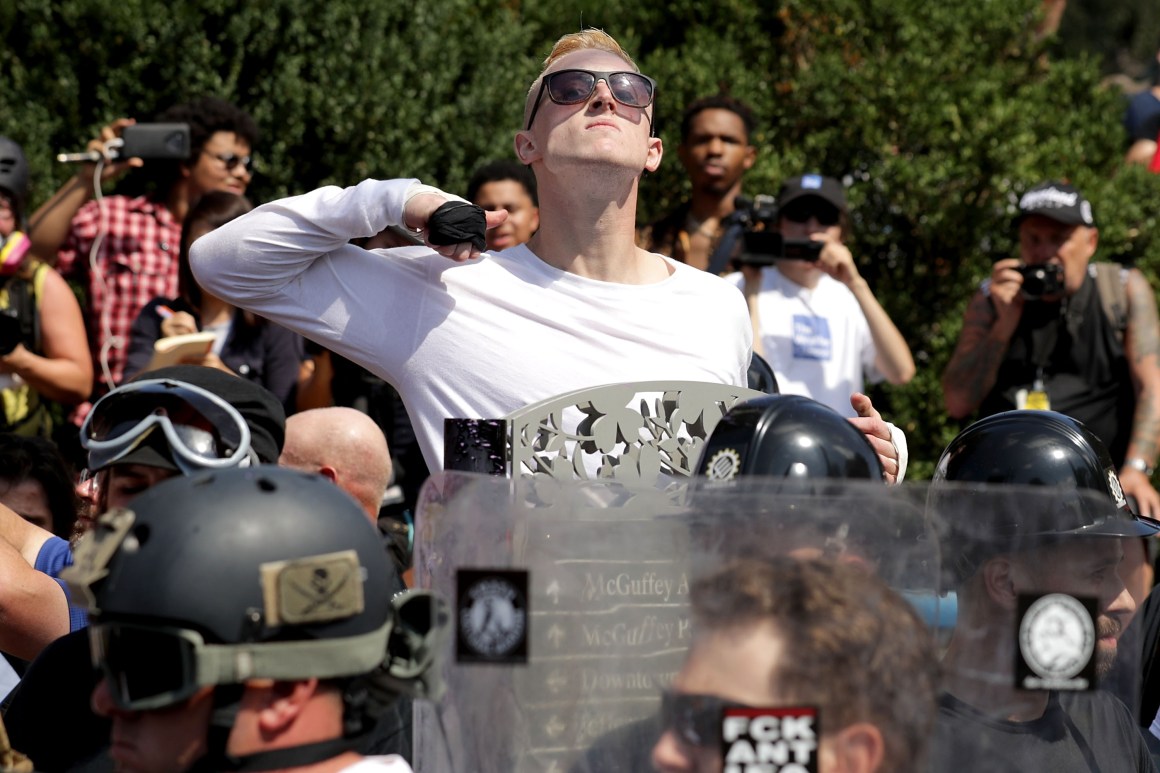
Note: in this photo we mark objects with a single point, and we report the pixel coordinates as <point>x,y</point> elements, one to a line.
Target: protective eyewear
<point>696,719</point>
<point>571,87</point>
<point>146,668</point>
<point>150,667</point>
<point>233,160</point>
<point>202,430</point>
<point>801,212</point>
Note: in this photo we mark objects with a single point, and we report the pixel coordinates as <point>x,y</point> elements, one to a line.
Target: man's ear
<point>750,157</point>
<point>283,704</point>
<point>999,581</point>
<point>526,150</point>
<point>655,152</point>
<point>329,473</point>
<point>858,748</point>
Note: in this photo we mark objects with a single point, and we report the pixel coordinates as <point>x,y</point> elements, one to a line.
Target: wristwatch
<point>1136,463</point>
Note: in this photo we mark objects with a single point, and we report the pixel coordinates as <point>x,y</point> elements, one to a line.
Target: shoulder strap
<point>21,300</point>
<point>1111,283</point>
<point>752,290</point>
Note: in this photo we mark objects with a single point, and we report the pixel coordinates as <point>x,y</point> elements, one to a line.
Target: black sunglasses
<point>571,87</point>
<point>233,160</point>
<point>696,719</point>
<point>801,212</point>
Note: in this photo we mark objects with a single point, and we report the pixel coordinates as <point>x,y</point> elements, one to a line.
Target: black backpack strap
<point>1111,283</point>
<point>21,288</point>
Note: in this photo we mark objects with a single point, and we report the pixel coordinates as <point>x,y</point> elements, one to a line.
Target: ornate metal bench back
<point>630,431</point>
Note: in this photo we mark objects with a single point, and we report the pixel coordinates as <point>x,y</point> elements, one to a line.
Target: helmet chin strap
<point>226,700</point>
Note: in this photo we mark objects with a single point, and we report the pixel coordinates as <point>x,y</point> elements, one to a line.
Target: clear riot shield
<point>605,612</point>
<point>1043,668</point>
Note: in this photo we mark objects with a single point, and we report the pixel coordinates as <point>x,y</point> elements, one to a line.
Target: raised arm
<point>50,224</point>
<point>291,261</point>
<point>893,358</point>
<point>989,323</point>
<point>254,260</point>
<point>1142,347</point>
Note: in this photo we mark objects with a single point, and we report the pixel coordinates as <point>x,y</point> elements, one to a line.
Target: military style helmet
<point>787,436</point>
<point>14,174</point>
<point>219,577</point>
<point>1027,451</point>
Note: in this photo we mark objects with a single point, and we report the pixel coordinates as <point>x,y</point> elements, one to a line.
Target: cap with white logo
<point>1059,201</point>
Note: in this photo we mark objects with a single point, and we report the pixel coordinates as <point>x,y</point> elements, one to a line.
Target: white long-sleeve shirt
<point>468,340</point>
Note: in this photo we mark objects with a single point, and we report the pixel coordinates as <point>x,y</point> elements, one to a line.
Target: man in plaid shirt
<point>137,238</point>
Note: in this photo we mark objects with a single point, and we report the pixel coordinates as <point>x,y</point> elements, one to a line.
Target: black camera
<point>1041,280</point>
<point>749,237</point>
<point>155,140</point>
<point>11,332</point>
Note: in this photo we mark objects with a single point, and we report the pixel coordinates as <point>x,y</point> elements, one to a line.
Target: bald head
<point>344,445</point>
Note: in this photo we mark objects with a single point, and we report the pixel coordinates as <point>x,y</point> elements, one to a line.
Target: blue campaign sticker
<point>811,338</point>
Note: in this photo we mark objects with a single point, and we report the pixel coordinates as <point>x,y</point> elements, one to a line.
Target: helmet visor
<point>201,430</point>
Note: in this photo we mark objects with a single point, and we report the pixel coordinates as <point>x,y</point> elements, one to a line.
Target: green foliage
<point>937,115</point>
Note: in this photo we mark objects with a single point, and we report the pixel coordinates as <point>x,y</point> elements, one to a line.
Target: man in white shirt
<point>578,306</point>
<point>819,325</point>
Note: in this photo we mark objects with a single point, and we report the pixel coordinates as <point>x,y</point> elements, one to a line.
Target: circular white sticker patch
<point>1057,636</point>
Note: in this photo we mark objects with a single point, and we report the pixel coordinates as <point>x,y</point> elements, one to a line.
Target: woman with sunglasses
<point>122,248</point>
<point>818,323</point>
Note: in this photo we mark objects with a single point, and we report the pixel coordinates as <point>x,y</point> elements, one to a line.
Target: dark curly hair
<point>206,116</point>
<point>35,458</point>
<point>721,101</point>
<point>498,171</point>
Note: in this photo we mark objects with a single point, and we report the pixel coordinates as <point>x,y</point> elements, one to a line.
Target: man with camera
<point>815,318</point>
<point>1051,330</point>
<point>716,152</point>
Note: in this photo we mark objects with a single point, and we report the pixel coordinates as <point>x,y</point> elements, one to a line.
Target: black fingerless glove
<point>456,222</point>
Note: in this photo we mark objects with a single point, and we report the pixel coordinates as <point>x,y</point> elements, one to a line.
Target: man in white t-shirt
<point>578,306</point>
<point>820,327</point>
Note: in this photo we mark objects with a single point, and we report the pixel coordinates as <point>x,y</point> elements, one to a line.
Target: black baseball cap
<point>825,188</point>
<point>1058,201</point>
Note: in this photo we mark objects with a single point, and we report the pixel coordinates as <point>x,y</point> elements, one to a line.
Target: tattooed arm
<point>988,325</point>
<point>1142,347</point>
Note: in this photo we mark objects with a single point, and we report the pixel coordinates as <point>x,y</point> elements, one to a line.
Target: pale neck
<point>593,237</point>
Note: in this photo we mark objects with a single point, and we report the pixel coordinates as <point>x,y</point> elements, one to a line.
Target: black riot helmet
<point>800,477</point>
<point>787,436</point>
<point>1027,451</point>
<point>219,577</point>
<point>14,175</point>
